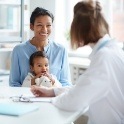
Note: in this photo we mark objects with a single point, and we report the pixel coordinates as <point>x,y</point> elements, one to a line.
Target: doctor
<point>102,85</point>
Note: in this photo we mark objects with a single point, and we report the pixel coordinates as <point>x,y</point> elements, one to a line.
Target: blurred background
<point>15,29</point>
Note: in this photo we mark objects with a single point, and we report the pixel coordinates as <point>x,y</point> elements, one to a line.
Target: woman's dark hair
<point>88,24</point>
<point>36,55</point>
<point>39,11</point>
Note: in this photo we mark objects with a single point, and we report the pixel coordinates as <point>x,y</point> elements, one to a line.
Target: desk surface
<point>79,62</point>
<point>46,114</point>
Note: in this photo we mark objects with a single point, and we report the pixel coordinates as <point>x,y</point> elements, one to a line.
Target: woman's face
<point>42,27</point>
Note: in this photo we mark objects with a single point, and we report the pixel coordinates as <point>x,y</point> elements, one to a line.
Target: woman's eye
<point>39,25</point>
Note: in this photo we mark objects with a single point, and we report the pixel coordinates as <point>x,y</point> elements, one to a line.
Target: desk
<point>79,62</point>
<point>46,114</point>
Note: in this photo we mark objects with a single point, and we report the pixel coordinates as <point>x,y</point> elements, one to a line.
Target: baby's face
<point>41,65</point>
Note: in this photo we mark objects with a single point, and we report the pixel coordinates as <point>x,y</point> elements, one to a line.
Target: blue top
<point>58,62</point>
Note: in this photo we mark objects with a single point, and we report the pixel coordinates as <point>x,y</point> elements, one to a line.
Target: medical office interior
<point>15,29</point>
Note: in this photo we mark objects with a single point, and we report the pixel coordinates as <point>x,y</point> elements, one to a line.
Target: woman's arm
<point>14,78</point>
<point>65,70</point>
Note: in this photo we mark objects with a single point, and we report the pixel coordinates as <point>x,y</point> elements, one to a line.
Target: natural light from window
<point>113,11</point>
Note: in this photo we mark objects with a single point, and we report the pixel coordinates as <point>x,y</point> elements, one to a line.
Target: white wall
<point>5,60</point>
<point>32,4</point>
<point>47,4</point>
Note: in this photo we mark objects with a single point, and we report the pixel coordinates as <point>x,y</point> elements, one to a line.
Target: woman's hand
<point>42,91</point>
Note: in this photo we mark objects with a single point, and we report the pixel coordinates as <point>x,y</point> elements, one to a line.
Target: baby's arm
<point>33,80</point>
<point>27,81</point>
<point>30,80</point>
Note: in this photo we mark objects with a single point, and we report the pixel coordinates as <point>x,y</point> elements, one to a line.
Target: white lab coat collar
<point>97,45</point>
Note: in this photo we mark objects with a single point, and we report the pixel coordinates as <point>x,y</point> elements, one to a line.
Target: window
<point>112,9</point>
<point>118,20</point>
<point>13,26</point>
<point>10,22</point>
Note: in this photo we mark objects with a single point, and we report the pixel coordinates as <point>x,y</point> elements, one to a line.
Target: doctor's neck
<point>92,45</point>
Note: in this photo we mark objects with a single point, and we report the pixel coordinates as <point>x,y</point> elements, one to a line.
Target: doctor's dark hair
<point>38,54</point>
<point>39,11</point>
<point>88,24</point>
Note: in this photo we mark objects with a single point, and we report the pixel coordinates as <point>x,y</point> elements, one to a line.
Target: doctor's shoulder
<point>106,55</point>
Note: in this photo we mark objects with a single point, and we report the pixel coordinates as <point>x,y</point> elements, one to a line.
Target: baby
<point>39,75</point>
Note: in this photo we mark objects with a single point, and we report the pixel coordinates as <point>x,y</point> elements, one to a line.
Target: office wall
<point>5,60</point>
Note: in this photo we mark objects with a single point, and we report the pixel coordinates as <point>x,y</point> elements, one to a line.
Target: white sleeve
<point>60,90</point>
<point>90,87</point>
<point>27,81</point>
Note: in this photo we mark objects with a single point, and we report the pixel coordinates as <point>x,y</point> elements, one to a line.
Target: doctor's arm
<point>90,87</point>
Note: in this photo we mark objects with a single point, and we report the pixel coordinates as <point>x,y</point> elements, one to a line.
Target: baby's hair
<point>36,55</point>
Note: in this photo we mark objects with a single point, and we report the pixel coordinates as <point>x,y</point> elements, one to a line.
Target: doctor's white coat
<point>101,87</point>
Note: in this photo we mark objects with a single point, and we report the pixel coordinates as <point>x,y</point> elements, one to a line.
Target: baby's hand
<point>47,75</point>
<point>50,77</point>
<point>39,75</point>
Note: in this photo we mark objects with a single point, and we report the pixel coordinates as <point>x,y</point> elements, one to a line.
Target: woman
<point>41,24</point>
<point>102,86</point>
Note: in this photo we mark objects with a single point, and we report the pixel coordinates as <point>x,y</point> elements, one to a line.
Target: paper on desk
<point>32,98</point>
<point>40,99</point>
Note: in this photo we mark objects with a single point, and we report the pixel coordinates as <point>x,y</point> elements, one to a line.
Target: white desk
<point>79,62</point>
<point>47,113</point>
